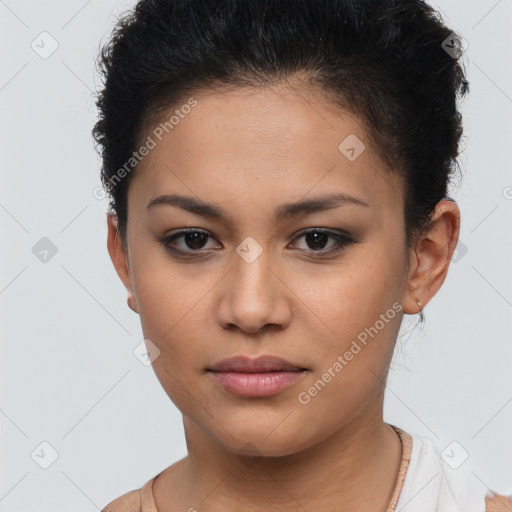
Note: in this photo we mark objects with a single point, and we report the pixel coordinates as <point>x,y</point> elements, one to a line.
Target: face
<point>320,286</point>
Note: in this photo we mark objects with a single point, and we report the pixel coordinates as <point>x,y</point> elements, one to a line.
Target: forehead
<point>262,145</point>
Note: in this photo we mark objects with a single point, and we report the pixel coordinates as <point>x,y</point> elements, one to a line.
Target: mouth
<point>262,364</point>
<point>260,377</point>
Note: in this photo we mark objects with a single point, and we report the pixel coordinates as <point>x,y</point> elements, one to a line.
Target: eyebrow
<point>282,212</point>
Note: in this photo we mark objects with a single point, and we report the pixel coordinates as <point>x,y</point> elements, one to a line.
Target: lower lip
<point>256,384</point>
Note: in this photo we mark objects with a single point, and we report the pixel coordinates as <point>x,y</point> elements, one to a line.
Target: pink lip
<point>263,376</point>
<point>254,365</point>
<point>256,384</point>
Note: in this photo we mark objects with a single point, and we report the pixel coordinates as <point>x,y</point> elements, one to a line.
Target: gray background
<point>68,374</point>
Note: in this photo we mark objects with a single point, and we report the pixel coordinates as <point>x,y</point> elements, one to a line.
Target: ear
<point>119,258</point>
<point>432,255</point>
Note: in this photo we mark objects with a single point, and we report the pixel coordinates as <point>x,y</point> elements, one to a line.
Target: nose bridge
<point>251,299</point>
<point>251,273</point>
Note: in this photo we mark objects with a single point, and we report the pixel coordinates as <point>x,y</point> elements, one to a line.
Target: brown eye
<point>190,241</point>
<point>317,240</point>
<point>193,242</point>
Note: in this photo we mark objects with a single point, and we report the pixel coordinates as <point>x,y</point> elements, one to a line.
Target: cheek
<point>360,321</point>
<point>175,312</point>
<point>343,301</point>
<point>167,292</point>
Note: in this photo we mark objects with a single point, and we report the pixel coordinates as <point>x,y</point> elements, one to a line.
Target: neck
<point>364,454</point>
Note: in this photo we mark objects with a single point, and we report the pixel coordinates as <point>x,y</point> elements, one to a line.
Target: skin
<point>249,151</point>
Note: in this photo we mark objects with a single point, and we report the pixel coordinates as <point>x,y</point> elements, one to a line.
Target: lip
<point>256,377</point>
<point>259,364</point>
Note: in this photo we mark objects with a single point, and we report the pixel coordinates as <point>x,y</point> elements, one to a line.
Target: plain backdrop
<point>75,399</point>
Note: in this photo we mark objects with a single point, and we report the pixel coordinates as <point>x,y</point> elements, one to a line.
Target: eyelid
<point>181,233</point>
<point>342,238</point>
<point>327,231</point>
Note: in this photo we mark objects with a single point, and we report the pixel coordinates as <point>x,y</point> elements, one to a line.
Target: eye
<point>192,240</point>
<point>317,239</point>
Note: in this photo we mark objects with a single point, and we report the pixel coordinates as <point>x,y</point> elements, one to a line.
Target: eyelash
<point>342,241</point>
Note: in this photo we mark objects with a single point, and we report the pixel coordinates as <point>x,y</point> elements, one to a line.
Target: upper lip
<point>254,365</point>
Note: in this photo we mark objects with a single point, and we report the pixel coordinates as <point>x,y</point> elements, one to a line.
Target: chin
<point>254,442</point>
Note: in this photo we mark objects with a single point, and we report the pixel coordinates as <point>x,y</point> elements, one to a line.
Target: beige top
<point>142,500</point>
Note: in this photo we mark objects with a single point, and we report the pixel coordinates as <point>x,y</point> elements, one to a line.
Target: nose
<point>255,295</point>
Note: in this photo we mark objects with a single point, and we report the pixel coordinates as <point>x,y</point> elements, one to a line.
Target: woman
<point>278,174</point>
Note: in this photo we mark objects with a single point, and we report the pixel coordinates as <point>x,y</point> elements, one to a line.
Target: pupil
<point>195,240</point>
<point>315,235</point>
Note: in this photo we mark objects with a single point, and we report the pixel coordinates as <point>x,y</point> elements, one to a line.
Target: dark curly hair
<point>386,61</point>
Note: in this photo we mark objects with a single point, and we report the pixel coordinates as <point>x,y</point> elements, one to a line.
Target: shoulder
<point>498,503</point>
<point>438,479</point>
<point>129,502</point>
<point>139,500</point>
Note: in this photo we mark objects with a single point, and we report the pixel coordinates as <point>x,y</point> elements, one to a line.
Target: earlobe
<point>432,256</point>
<point>119,258</point>
<point>414,301</point>
<point>132,303</point>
